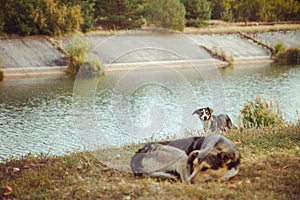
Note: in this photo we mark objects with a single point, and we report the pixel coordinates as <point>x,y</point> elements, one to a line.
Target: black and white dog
<point>213,157</point>
<point>213,123</point>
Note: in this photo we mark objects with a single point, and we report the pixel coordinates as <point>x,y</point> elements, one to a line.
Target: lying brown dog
<point>212,157</point>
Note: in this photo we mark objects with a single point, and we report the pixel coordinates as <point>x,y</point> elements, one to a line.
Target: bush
<point>289,56</point>
<point>260,113</point>
<point>77,51</point>
<point>90,68</point>
<point>77,54</point>
<point>278,48</point>
<point>293,55</point>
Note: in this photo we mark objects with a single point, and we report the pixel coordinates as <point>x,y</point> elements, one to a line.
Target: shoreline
<point>115,68</point>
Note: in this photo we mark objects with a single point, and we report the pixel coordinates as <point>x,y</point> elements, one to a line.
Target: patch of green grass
<point>269,170</point>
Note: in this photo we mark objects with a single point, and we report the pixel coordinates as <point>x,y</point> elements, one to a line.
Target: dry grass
<point>269,170</point>
<point>215,27</point>
<point>219,27</point>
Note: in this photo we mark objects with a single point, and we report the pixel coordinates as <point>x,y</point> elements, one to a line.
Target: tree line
<point>60,17</point>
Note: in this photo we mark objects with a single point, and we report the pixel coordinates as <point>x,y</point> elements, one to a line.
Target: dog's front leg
<point>191,178</point>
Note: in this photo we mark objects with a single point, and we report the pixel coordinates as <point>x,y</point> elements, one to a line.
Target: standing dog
<point>213,123</point>
<point>213,157</point>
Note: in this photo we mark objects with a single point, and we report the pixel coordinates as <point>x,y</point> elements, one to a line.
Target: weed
<point>77,54</point>
<point>220,53</point>
<point>278,48</point>
<point>260,113</point>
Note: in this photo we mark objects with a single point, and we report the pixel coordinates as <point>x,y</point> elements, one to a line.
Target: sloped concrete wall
<point>288,38</point>
<point>39,52</point>
<point>29,52</point>
<point>233,45</point>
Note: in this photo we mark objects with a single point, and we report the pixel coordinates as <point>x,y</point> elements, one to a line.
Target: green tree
<point>120,14</point>
<point>167,14</point>
<point>30,17</point>
<point>18,17</point>
<point>197,12</point>
<point>286,9</point>
<point>87,10</point>
<point>247,10</point>
<point>229,9</point>
<point>216,9</point>
<point>54,18</point>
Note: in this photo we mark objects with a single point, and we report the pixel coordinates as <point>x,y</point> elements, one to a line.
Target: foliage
<point>120,14</point>
<point>293,55</point>
<point>91,67</point>
<point>220,53</point>
<point>78,59</point>
<point>59,17</point>
<point>87,10</point>
<point>56,19</point>
<point>260,113</point>
<point>77,51</point>
<point>278,48</point>
<point>2,22</point>
<point>255,10</point>
<point>29,17</point>
<point>167,14</point>
<point>286,56</point>
<point>197,12</point>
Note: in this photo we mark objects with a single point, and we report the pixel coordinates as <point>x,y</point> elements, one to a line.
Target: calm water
<point>57,116</point>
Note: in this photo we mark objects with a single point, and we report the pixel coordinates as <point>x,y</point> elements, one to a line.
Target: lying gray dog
<point>212,157</point>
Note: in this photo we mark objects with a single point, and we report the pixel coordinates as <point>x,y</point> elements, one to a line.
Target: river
<point>57,116</point>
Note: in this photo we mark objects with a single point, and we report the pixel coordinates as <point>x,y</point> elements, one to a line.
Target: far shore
<point>217,27</point>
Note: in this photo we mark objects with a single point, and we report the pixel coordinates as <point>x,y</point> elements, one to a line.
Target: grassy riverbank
<point>269,170</point>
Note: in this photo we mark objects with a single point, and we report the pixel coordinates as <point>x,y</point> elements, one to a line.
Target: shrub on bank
<point>91,67</point>
<point>286,56</point>
<point>77,52</point>
<point>260,113</point>
<point>293,55</point>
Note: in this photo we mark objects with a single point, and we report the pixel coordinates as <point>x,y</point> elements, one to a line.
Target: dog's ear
<point>196,112</point>
<point>226,156</point>
<point>210,109</point>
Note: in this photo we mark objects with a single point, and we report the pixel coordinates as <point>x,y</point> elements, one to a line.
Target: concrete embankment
<point>37,56</point>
